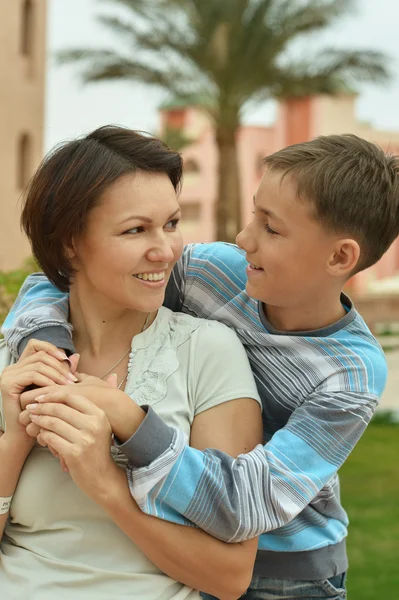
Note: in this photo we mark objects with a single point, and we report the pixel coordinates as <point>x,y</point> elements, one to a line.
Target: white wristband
<point>5,504</point>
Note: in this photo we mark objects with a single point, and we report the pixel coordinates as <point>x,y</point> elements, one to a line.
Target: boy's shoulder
<point>359,357</point>
<point>226,259</point>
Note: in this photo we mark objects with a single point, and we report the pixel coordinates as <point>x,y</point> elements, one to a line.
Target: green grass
<point>370,494</point>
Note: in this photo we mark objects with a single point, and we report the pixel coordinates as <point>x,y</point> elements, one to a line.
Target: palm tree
<point>223,54</point>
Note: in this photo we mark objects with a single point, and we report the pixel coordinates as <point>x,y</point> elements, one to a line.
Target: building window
<point>27,28</point>
<point>24,161</point>
<point>191,213</point>
<point>192,173</point>
<point>191,166</point>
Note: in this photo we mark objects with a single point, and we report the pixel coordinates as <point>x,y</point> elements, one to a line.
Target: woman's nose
<point>162,251</point>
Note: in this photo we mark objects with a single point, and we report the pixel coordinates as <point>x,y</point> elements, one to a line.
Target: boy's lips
<point>253,270</point>
<point>254,267</point>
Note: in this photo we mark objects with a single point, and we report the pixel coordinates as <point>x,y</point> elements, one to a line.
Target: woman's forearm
<point>185,554</point>
<point>13,455</point>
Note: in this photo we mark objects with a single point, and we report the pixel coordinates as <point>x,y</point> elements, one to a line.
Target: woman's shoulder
<point>208,336</point>
<point>198,326</point>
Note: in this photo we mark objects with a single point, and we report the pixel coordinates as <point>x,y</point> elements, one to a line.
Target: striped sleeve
<point>40,311</point>
<point>238,499</point>
<point>175,290</point>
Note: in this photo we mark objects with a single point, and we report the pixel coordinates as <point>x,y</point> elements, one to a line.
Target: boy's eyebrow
<point>146,219</point>
<point>268,213</point>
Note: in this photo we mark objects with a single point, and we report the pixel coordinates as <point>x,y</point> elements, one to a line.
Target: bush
<point>10,282</point>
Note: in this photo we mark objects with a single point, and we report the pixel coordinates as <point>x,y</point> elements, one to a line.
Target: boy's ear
<point>344,257</point>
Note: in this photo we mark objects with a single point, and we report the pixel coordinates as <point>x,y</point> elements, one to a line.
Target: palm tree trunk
<point>228,201</point>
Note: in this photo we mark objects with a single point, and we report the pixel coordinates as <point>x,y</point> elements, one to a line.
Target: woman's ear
<point>71,254</point>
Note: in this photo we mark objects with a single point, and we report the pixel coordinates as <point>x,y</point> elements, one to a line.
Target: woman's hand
<point>81,434</point>
<point>122,412</point>
<point>40,365</point>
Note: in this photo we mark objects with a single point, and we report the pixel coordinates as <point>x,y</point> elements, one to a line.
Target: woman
<point>102,217</point>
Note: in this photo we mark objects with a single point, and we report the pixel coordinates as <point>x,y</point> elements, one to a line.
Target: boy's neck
<point>317,315</point>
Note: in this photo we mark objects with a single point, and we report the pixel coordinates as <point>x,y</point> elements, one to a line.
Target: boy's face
<point>287,249</point>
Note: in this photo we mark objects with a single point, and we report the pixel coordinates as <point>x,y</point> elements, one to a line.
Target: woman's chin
<point>147,302</point>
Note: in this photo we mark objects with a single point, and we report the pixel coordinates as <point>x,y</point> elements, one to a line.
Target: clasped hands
<point>71,413</point>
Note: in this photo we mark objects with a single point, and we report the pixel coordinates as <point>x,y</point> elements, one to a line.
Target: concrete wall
<point>22,87</point>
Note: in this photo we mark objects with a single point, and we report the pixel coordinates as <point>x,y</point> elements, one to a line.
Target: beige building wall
<point>22,88</point>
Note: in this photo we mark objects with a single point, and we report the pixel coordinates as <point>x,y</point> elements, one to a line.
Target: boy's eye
<point>267,227</point>
<point>270,230</point>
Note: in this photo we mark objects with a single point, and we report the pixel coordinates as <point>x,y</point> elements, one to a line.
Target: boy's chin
<point>254,292</point>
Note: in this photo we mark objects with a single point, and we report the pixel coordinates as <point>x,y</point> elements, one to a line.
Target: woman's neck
<point>99,325</point>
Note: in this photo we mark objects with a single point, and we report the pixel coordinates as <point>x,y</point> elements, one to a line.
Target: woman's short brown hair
<point>70,182</point>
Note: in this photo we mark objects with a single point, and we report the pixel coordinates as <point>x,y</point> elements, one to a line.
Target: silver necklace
<point>129,365</point>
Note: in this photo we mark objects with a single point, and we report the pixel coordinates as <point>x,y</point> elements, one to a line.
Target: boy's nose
<point>245,240</point>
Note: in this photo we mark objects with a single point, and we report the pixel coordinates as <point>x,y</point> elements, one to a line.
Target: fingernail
<point>72,377</point>
<point>31,407</point>
<point>61,355</point>
<point>39,398</point>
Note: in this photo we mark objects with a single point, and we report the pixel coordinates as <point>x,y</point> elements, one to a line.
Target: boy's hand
<point>80,433</point>
<point>122,412</point>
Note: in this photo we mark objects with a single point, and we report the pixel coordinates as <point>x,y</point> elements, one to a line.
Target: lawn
<point>370,494</point>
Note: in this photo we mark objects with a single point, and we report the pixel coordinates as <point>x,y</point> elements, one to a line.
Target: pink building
<point>298,119</point>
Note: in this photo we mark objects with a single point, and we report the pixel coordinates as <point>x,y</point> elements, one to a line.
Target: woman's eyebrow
<point>147,219</point>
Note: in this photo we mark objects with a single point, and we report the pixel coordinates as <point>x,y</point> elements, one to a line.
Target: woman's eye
<point>172,224</point>
<point>134,230</point>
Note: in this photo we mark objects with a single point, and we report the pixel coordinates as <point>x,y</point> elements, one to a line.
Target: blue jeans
<point>264,588</point>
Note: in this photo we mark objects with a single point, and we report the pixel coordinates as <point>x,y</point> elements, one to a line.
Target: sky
<point>73,109</point>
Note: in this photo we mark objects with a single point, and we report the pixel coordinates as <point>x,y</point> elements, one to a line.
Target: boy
<point>325,209</point>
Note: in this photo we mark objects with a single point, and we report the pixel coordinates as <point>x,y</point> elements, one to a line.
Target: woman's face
<point>131,242</point>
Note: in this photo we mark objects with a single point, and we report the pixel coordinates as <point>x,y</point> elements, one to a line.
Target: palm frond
<point>140,8</point>
<point>156,11</point>
<point>173,80</point>
<point>290,18</point>
<point>232,51</point>
<point>81,55</point>
<point>331,72</point>
<point>117,25</point>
